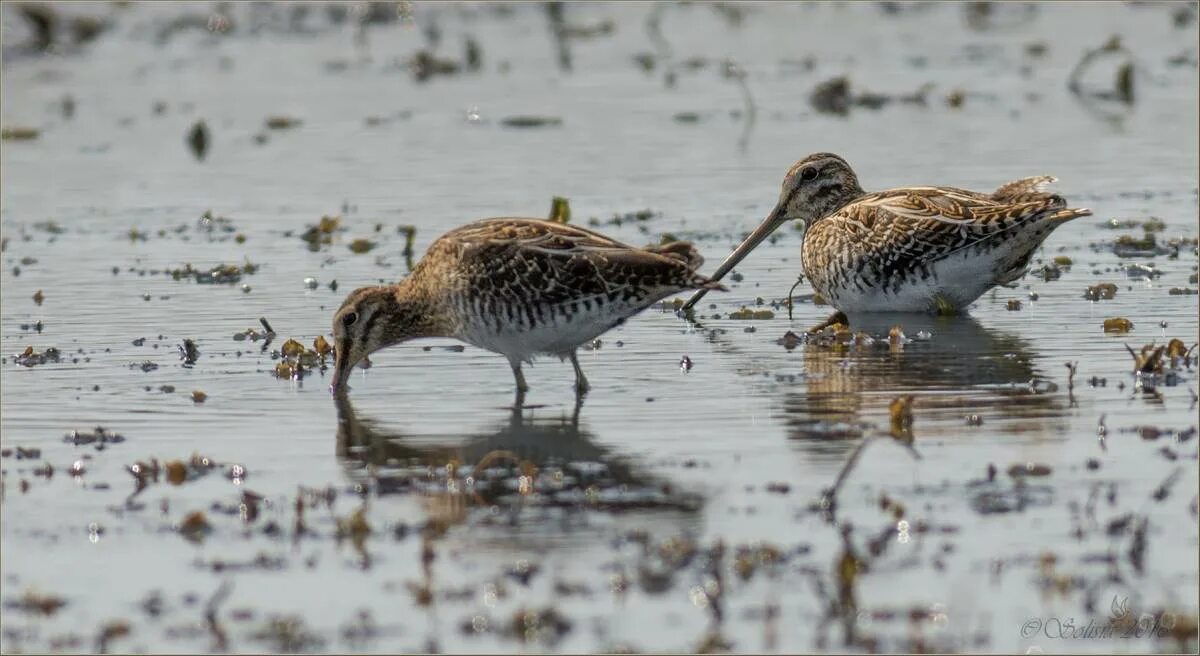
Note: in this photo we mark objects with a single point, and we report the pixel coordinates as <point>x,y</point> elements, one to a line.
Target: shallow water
<point>631,493</point>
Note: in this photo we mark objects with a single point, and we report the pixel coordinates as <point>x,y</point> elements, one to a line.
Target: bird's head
<point>813,188</point>
<point>370,319</point>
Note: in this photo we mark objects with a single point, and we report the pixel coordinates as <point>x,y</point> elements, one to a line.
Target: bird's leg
<point>575,412</point>
<point>522,386</point>
<point>836,317</point>
<point>581,383</point>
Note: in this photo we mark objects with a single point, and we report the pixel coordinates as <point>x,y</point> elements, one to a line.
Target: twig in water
<point>736,73</point>
<point>220,639</point>
<point>799,279</point>
<point>558,27</point>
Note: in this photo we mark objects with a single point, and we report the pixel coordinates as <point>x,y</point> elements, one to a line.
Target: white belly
<point>959,280</point>
<point>552,332</point>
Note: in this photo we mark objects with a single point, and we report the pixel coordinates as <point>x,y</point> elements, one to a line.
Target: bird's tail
<point>1064,215</point>
<point>683,251</point>
<point>1024,189</point>
<point>703,282</point>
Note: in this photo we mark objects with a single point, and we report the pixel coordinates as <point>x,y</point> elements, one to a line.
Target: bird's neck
<point>848,193</point>
<point>423,308</point>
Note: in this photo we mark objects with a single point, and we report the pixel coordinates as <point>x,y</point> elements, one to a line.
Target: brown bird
<point>911,249</point>
<point>518,287</point>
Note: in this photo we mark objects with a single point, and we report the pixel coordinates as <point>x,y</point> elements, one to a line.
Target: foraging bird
<point>911,249</point>
<point>518,287</point>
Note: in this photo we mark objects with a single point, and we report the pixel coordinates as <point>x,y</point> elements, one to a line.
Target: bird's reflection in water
<point>522,472</point>
<point>961,370</point>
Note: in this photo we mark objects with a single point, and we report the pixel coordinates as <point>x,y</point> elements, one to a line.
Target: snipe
<point>910,249</point>
<point>518,287</point>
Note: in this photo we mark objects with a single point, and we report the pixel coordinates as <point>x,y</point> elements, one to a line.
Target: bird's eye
<point>349,318</point>
<point>809,173</point>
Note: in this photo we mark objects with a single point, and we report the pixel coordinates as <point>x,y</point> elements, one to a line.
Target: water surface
<point>674,510</point>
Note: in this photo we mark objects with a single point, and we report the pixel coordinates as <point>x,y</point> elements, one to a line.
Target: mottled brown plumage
<point>519,287</point>
<point>912,248</point>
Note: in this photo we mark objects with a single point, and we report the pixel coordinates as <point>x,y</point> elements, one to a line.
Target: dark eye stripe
<point>366,333</point>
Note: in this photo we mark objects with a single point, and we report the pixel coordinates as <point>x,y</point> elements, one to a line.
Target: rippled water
<point>672,511</point>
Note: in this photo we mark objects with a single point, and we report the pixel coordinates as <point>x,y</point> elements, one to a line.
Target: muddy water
<point>674,510</point>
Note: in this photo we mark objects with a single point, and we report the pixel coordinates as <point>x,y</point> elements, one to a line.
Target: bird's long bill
<point>341,372</point>
<point>769,225</point>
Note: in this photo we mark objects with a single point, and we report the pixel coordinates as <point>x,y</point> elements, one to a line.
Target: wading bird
<point>911,249</point>
<point>518,287</point>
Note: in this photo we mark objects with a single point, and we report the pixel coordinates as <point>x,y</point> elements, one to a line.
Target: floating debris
<point>790,340</point>
<point>321,234</point>
<point>1103,291</point>
<point>1141,271</point>
<point>628,217</point>
<point>1013,305</point>
<point>195,527</point>
<point>254,335</point>
<point>282,122</point>
<point>1018,498</point>
<point>221,274</point>
<point>197,140</point>
<point>291,348</point>
<point>22,453</point>
<point>746,313</point>
<point>295,361</point>
<point>109,632</point>
<point>1122,89</point>
<point>531,121</point>
<point>944,307</point>
<point>546,626</point>
<point>321,346</point>
<point>1152,369</point>
<point>1118,325</point>
<point>38,297</point>
<point>99,435</point>
<point>410,236</point>
<point>1145,246</point>
<point>426,65</point>
<point>1151,224</point>
<point>19,134</point>
<point>29,358</point>
<point>36,604</point>
<point>474,55</point>
<point>287,634</point>
<point>199,397</point>
<point>685,364</point>
<point>360,246</point>
<point>560,210</point>
<point>188,352</point>
<point>176,472</point>
<point>834,96</point>
<point>900,412</point>
<point>1029,469</point>
<point>1048,272</point>
<point>354,527</point>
